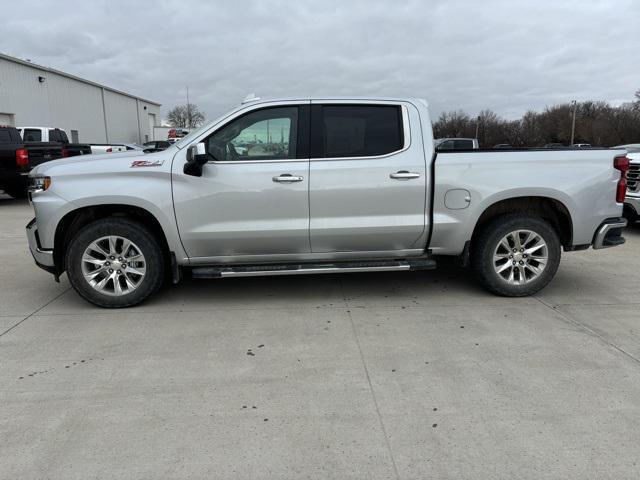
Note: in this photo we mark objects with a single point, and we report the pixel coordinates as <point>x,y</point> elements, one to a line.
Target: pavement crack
<point>35,312</point>
<point>588,330</point>
<point>373,393</point>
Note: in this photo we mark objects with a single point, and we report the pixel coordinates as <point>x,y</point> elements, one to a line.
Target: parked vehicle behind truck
<point>632,199</point>
<point>18,157</point>
<point>443,144</point>
<point>55,135</point>
<point>320,186</point>
<point>100,148</point>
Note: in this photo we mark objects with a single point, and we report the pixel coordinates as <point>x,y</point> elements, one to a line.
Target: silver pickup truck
<point>321,185</point>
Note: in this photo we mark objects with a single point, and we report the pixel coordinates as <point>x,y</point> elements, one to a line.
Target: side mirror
<point>196,158</point>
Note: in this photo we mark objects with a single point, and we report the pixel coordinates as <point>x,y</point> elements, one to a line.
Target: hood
<point>634,157</point>
<point>83,159</point>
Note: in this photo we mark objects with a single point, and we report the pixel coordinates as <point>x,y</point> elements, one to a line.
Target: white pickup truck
<point>323,185</point>
<point>56,135</point>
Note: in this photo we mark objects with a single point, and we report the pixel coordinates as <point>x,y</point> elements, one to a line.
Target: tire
<point>103,242</point>
<point>530,257</point>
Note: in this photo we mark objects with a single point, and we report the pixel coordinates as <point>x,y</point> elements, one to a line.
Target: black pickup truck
<point>18,157</point>
<point>56,135</point>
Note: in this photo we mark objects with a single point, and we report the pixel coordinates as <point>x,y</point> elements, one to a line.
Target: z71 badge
<point>145,163</point>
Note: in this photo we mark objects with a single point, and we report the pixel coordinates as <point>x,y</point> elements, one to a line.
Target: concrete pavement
<point>392,375</point>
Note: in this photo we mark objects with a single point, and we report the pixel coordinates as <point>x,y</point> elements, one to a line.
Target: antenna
<point>250,98</point>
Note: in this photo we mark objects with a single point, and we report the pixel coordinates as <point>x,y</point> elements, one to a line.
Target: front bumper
<point>633,203</point>
<point>43,258</point>
<point>609,233</point>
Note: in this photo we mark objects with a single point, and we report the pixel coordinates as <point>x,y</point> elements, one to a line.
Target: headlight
<point>39,184</point>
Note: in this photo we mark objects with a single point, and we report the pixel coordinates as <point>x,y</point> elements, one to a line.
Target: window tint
<point>361,131</point>
<point>265,134</point>
<point>54,136</point>
<point>446,145</point>
<point>5,137</point>
<point>32,135</point>
<point>462,144</point>
<point>57,135</point>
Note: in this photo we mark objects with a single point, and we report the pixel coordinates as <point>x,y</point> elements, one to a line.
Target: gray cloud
<point>499,54</point>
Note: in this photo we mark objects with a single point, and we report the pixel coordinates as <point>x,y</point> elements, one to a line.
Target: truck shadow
<point>449,284</point>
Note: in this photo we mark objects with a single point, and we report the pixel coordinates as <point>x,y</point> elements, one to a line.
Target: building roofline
<point>36,66</point>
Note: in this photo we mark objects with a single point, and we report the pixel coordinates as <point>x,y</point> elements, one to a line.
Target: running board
<point>312,268</point>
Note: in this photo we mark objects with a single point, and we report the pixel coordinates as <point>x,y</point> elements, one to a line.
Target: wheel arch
<point>72,222</point>
<point>550,209</point>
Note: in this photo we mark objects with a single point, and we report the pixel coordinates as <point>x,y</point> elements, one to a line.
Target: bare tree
<point>597,123</point>
<point>185,116</point>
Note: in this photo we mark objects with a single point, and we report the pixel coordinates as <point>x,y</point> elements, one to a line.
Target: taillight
<point>109,150</point>
<point>65,152</point>
<point>22,157</point>
<point>621,163</point>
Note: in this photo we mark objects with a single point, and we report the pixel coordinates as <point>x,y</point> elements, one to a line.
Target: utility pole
<point>477,126</point>
<point>188,109</point>
<point>573,123</point>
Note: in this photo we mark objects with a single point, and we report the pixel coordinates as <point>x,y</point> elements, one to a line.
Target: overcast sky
<point>506,55</point>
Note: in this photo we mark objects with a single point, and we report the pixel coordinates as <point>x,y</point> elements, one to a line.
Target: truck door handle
<point>287,178</point>
<point>404,175</point>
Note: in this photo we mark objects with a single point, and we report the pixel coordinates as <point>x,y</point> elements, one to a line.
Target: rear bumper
<point>43,258</point>
<point>609,233</point>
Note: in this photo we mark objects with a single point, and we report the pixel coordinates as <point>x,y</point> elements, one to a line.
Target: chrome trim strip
<point>316,270</point>
<point>240,162</point>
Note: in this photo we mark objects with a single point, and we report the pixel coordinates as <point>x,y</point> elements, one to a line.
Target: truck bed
<point>582,179</point>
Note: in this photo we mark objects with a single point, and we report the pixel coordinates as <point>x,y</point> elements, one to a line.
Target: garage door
<point>6,118</point>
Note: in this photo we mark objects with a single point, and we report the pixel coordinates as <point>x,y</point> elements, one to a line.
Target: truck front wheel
<point>115,262</point>
<point>516,255</point>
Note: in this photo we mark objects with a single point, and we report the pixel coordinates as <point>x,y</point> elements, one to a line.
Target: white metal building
<point>32,95</point>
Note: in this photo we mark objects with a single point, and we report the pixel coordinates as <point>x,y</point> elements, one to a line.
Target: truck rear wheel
<point>516,255</point>
<point>114,263</point>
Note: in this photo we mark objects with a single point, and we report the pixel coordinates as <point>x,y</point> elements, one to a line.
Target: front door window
<point>268,134</point>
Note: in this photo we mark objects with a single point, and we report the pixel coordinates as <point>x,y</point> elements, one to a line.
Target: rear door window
<point>32,135</point>
<point>357,130</point>
<point>54,136</point>
<point>57,135</point>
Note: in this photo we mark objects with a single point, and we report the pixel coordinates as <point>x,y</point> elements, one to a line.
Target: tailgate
<point>40,152</point>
